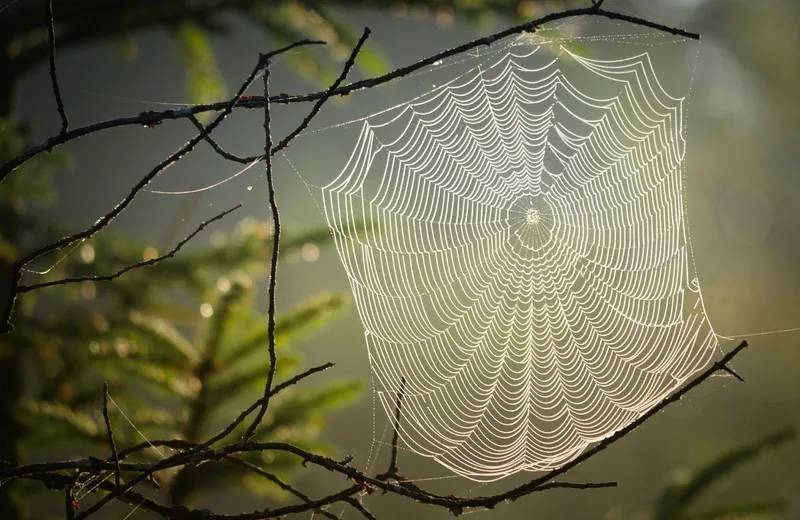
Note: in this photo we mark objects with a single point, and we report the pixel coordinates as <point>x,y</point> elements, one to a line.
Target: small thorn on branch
<point>729,370</point>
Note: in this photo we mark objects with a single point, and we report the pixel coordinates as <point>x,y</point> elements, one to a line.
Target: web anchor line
<point>735,337</point>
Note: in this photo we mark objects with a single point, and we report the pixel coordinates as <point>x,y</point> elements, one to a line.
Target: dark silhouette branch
<point>273,266</point>
<point>51,55</point>
<point>163,165</point>
<point>106,219</point>
<point>730,371</point>
<point>605,443</point>
<point>278,482</point>
<point>391,472</point>
<point>269,151</point>
<point>111,442</point>
<point>454,504</point>
<point>22,289</point>
<point>70,504</point>
<point>150,119</point>
<point>217,148</point>
<point>325,97</point>
<point>61,482</point>
<point>358,506</point>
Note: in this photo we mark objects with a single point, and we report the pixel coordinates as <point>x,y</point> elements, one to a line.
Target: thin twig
<point>247,411</point>
<point>729,370</point>
<point>358,506</point>
<point>70,504</point>
<point>51,34</point>
<point>217,148</point>
<point>393,469</point>
<point>278,482</point>
<point>111,442</point>
<point>150,119</point>
<point>183,458</point>
<point>175,444</point>
<point>163,165</point>
<point>121,206</point>
<point>273,270</point>
<point>58,481</point>
<point>276,232</point>
<point>106,278</point>
<point>106,219</point>
<point>328,93</point>
<point>605,443</point>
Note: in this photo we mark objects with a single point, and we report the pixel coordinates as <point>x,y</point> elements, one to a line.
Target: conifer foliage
<point>180,344</point>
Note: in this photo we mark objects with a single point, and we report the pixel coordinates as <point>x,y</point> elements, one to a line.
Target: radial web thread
<point>517,248</point>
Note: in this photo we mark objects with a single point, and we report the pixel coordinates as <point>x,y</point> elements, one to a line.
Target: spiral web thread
<point>525,265</point>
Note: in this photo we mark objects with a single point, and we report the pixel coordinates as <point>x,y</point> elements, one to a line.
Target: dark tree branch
<point>150,119</point>
<point>273,266</point>
<point>175,444</point>
<point>51,34</point>
<point>605,443</point>
<point>456,504</point>
<point>729,370</point>
<point>176,460</point>
<point>278,482</point>
<point>61,482</point>
<point>163,165</point>
<point>327,95</point>
<point>217,148</point>
<point>268,152</point>
<point>105,220</point>
<point>111,442</point>
<point>358,506</point>
<point>393,469</point>
<point>22,289</point>
<point>70,504</point>
<point>246,412</point>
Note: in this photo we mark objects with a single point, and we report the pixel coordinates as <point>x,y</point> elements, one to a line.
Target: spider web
<point>517,247</point>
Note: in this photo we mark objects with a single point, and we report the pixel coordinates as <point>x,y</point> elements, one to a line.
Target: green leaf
<point>304,319</point>
<point>165,341</point>
<point>206,84</point>
<point>234,384</point>
<point>32,184</point>
<point>56,421</point>
<point>161,379</point>
<point>295,409</point>
<point>8,251</point>
<point>676,498</point>
<point>221,321</point>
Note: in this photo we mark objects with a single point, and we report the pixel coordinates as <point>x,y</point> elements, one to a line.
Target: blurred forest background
<point>182,343</point>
